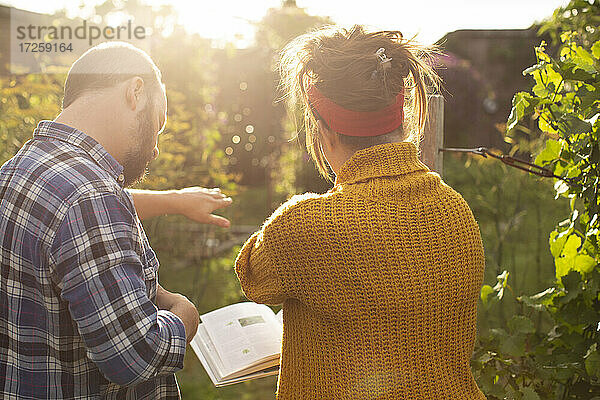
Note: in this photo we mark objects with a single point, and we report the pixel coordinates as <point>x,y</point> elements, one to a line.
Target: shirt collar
<point>390,159</point>
<point>95,150</point>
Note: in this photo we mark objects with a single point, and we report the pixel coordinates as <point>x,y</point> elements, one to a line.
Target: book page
<point>207,354</point>
<point>260,374</point>
<point>243,334</point>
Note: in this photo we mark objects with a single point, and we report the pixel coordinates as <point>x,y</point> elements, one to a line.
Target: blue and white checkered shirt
<point>78,279</point>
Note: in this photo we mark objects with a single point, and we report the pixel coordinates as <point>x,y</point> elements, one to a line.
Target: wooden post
<point>433,137</point>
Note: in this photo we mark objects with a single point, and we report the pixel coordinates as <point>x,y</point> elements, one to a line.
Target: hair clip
<point>385,61</point>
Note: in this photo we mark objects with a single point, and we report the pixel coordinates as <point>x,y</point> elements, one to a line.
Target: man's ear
<point>134,91</point>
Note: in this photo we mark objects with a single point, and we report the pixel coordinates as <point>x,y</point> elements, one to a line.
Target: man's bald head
<point>107,65</point>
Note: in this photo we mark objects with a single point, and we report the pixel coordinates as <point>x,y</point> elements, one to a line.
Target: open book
<point>239,342</point>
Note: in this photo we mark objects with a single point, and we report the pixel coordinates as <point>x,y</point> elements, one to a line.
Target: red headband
<point>357,123</point>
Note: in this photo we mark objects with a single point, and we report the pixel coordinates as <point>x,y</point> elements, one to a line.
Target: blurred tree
<point>290,167</point>
<point>25,100</point>
<point>258,134</point>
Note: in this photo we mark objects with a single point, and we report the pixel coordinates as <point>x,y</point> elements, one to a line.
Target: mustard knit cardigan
<point>379,279</point>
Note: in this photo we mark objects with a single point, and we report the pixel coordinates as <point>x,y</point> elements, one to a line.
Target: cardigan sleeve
<point>258,275</point>
<point>266,275</point>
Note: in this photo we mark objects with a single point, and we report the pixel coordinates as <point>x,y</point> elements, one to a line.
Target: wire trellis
<point>513,162</point>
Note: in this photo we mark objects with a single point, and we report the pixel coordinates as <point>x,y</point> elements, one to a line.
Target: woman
<point>379,277</point>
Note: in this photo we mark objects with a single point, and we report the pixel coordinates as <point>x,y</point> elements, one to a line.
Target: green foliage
<point>497,291</point>
<point>513,211</point>
<point>291,171</point>
<point>190,147</point>
<point>25,100</point>
<point>582,16</point>
<point>561,362</point>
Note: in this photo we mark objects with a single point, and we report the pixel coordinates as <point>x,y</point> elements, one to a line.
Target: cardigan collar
<point>389,159</point>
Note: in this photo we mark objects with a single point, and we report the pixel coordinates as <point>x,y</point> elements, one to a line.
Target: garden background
<point>227,128</point>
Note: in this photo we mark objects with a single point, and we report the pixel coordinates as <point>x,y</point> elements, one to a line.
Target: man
<point>81,312</point>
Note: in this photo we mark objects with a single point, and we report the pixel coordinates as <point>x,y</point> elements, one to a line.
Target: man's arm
<point>178,304</point>
<point>101,277</point>
<point>195,203</point>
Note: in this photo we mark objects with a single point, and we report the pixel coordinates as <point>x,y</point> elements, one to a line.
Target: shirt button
<point>121,178</point>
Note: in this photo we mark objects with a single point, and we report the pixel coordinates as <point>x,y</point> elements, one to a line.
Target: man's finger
<point>218,220</point>
<point>218,195</point>
<point>222,203</point>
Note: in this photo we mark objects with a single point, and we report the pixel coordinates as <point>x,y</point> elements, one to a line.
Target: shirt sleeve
<point>101,277</point>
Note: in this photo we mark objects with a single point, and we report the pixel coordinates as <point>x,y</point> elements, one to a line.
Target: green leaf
<point>553,77</point>
<point>592,291</point>
<point>592,361</point>
<point>566,36</point>
<point>486,290</point>
<point>501,284</point>
<point>557,242</point>
<point>539,300</point>
<point>545,126</point>
<point>573,243</point>
<point>550,153</point>
<point>521,324</point>
<point>498,333</point>
<point>571,72</point>
<point>534,68</point>
<point>573,125</point>
<point>584,60</point>
<point>570,258</point>
<point>485,357</point>
<point>541,89</point>
<point>529,394</point>
<point>584,263</point>
<point>520,103</point>
<point>596,49</point>
<point>561,188</point>
<point>572,284</point>
<point>563,266</point>
<point>576,314</point>
<point>513,345</point>
<point>587,94</point>
<point>498,289</point>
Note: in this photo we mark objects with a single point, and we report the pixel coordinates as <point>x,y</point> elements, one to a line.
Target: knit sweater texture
<point>379,280</point>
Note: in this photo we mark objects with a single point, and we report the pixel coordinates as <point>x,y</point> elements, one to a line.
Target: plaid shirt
<point>78,279</point>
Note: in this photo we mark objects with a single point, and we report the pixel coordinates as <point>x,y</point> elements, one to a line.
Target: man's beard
<point>141,153</point>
